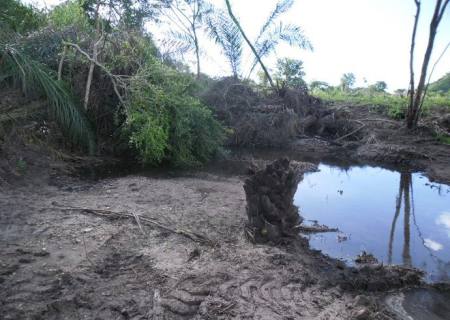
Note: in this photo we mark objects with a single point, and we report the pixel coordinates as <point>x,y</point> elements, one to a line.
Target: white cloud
<point>444,220</point>
<point>433,245</point>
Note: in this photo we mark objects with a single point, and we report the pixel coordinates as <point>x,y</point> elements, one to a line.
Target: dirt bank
<point>377,139</point>
<point>62,263</point>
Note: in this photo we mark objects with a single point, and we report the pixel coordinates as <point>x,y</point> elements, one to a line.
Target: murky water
<point>400,217</point>
<point>420,304</point>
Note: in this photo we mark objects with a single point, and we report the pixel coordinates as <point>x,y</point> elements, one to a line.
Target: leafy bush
<point>69,14</point>
<point>165,122</point>
<point>20,18</point>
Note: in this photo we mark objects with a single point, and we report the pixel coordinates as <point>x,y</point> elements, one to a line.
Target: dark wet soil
<point>63,263</point>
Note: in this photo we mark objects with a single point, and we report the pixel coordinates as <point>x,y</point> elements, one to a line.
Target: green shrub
<point>444,139</point>
<point>69,14</point>
<point>20,18</point>
<point>165,122</point>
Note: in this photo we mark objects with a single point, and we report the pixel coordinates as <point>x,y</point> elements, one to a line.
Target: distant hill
<point>442,85</point>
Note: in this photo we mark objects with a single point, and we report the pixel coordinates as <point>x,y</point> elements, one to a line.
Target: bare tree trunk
<point>197,51</point>
<point>94,57</point>
<point>417,95</point>
<point>61,62</point>
<point>266,72</point>
<point>412,87</point>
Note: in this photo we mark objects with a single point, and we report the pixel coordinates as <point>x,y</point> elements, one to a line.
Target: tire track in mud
<point>272,295</point>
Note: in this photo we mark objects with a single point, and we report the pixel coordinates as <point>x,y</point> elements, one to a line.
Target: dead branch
<point>379,120</point>
<point>429,77</point>
<point>94,61</point>
<point>61,63</point>
<point>363,125</point>
<point>134,216</point>
<point>115,80</point>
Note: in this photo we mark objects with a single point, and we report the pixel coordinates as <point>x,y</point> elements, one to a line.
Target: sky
<point>370,38</point>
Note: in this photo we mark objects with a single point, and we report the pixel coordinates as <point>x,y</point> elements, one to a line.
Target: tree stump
<point>270,192</point>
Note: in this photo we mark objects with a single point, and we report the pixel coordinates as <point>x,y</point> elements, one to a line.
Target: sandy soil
<point>58,263</point>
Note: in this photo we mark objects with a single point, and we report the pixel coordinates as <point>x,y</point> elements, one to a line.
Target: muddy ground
<point>60,261</point>
<point>66,254</point>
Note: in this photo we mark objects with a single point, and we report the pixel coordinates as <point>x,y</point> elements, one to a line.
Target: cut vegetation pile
<point>261,120</point>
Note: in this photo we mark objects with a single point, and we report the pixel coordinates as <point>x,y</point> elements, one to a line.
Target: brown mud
<point>59,263</point>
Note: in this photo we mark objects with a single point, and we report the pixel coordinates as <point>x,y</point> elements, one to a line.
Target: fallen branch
<point>351,133</point>
<point>139,220</point>
<point>380,120</point>
<point>316,229</point>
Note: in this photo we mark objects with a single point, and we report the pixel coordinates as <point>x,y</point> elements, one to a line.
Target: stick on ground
<point>148,221</point>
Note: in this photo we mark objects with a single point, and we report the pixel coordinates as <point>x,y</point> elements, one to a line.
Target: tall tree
<point>379,86</point>
<point>347,81</point>
<point>187,17</point>
<point>290,73</point>
<point>417,94</point>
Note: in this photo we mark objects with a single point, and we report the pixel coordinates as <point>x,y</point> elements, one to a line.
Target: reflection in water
<point>444,220</point>
<point>413,230</point>
<point>404,192</point>
<point>405,199</point>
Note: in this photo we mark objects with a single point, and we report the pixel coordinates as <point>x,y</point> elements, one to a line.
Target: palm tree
<point>186,18</point>
<point>226,34</point>
<point>35,77</point>
<point>272,33</point>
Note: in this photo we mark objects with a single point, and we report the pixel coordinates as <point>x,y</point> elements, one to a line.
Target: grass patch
<point>395,104</point>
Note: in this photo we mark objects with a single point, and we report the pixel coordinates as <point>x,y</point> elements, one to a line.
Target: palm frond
<point>36,77</point>
<point>290,33</point>
<point>174,48</point>
<point>294,36</point>
<point>226,34</point>
<point>281,7</point>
